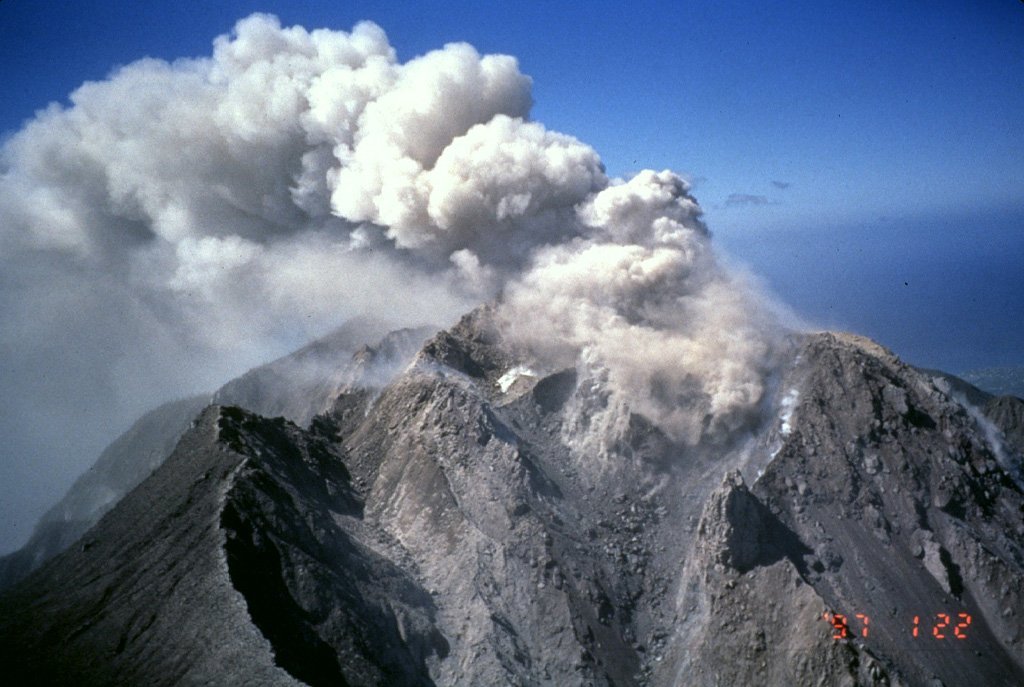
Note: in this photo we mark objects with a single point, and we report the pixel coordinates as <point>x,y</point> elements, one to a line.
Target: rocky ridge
<point>999,381</point>
<point>465,525</point>
<point>297,387</point>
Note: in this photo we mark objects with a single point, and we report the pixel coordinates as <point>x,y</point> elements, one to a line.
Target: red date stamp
<point>944,626</point>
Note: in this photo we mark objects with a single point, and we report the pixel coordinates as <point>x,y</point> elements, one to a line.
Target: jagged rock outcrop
<point>480,520</point>
<point>910,512</point>
<point>894,507</point>
<point>747,613</point>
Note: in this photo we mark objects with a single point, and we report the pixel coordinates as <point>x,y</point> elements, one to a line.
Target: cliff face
<point>902,522</point>
<point>477,521</point>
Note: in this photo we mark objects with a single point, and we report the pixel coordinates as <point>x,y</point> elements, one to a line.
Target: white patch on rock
<point>506,381</point>
<point>788,405</point>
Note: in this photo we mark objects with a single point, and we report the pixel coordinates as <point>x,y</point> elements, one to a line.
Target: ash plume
<point>643,298</point>
<point>181,222</point>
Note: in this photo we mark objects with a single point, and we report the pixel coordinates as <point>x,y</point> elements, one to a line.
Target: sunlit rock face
<point>486,517</point>
<point>895,514</point>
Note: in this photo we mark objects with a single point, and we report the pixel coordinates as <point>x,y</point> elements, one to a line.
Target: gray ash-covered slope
<point>121,467</point>
<point>231,564</point>
<point>297,387</point>
<point>902,504</point>
<point>1007,414</point>
<point>474,523</point>
<point>960,388</point>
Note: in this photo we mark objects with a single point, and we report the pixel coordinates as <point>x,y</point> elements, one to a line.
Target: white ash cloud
<point>683,340</point>
<point>180,222</point>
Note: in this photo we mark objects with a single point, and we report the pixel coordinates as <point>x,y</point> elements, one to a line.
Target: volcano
<point>469,518</point>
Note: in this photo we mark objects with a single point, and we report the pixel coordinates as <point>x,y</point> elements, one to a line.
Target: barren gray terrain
<point>472,523</point>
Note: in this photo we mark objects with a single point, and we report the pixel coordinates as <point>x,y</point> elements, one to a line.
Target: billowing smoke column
<point>181,222</point>
<point>641,296</point>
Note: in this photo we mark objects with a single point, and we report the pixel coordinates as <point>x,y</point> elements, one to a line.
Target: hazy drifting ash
<point>181,222</point>
<point>684,341</point>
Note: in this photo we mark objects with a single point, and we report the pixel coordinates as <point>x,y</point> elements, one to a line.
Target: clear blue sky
<point>866,158</point>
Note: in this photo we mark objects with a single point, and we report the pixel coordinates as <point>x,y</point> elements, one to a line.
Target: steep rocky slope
<point>230,564</point>
<point>482,521</point>
<point>896,507</point>
<point>120,468</point>
<point>1007,414</point>
<point>297,386</point>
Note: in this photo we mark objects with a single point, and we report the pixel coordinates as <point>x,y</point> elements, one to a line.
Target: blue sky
<point>865,158</point>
